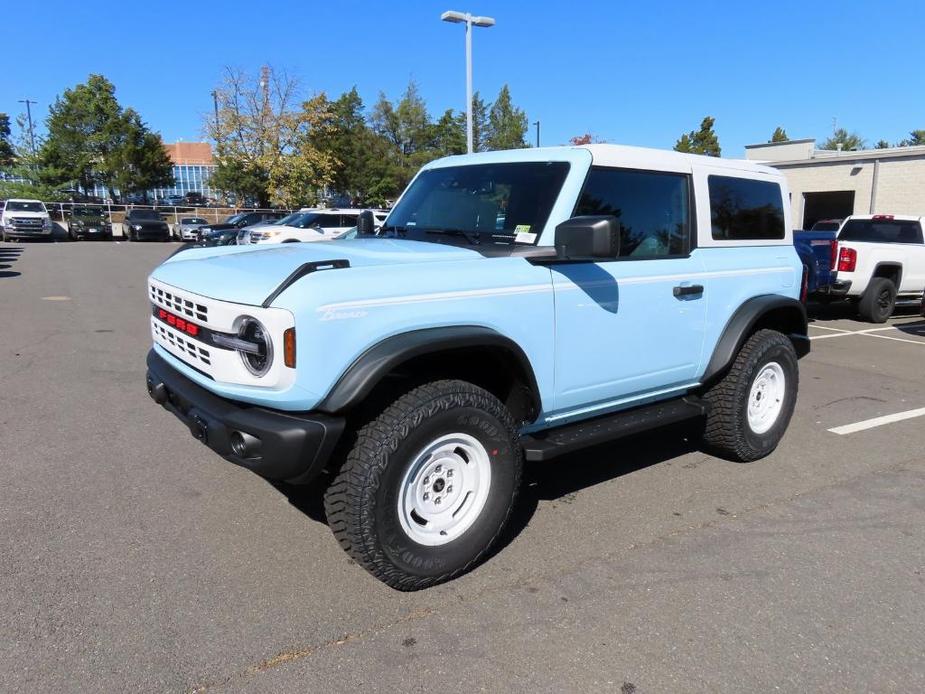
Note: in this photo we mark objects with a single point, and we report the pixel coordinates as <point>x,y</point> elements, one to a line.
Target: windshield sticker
<point>524,237</point>
<point>521,227</point>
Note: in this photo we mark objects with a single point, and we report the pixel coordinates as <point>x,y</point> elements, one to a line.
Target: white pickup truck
<point>881,263</point>
<point>25,219</point>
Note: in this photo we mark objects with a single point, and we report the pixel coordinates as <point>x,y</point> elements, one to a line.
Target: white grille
<point>187,348</point>
<point>177,303</point>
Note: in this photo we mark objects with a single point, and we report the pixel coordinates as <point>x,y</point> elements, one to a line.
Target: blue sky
<point>636,73</point>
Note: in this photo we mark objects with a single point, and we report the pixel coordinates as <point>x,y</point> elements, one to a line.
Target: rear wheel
<point>878,301</point>
<point>428,486</point>
<point>750,407</point>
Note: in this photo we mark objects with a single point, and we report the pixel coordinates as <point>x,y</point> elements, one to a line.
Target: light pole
<point>470,21</point>
<point>28,104</point>
<point>537,124</point>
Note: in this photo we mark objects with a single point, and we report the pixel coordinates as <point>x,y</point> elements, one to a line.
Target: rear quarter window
<point>743,209</point>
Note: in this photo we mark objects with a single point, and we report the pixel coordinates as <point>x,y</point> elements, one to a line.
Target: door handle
<point>688,289</point>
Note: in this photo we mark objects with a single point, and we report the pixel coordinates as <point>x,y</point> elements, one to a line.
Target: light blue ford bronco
<point>514,306</point>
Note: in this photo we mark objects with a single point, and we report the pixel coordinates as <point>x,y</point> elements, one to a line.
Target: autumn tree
<point>268,139</point>
<point>703,141</point>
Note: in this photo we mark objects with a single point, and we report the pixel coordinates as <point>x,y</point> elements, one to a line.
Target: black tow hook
<point>158,392</point>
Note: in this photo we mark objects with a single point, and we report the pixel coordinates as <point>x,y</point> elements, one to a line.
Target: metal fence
<point>60,211</point>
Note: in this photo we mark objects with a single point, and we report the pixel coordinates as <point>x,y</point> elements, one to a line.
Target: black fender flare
<point>743,323</point>
<point>358,381</point>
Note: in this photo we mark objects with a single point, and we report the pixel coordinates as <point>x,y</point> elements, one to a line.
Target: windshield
<point>193,220</point>
<point>145,214</point>
<point>288,219</point>
<point>826,226</point>
<point>24,206</point>
<point>881,231</point>
<point>234,218</point>
<point>89,211</point>
<point>487,202</point>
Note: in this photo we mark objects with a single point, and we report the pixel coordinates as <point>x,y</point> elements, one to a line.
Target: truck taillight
<point>847,259</point>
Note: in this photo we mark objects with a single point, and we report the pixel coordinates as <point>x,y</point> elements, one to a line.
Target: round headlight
<point>253,331</point>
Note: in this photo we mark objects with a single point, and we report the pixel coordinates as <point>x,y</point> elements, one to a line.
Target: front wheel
<point>879,301</point>
<point>428,486</point>
<point>750,407</point>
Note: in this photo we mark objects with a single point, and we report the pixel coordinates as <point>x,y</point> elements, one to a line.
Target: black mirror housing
<point>588,237</point>
<point>366,222</point>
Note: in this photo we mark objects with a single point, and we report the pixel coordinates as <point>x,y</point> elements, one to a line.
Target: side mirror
<point>588,237</point>
<point>366,223</point>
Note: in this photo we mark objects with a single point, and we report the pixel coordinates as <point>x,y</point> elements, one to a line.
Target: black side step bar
<point>545,445</point>
<point>300,272</point>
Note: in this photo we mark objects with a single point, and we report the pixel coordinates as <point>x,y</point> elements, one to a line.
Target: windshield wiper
<point>472,238</point>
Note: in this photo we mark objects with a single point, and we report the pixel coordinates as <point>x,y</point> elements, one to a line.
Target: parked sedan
<point>188,228</point>
<point>243,219</point>
<point>145,224</point>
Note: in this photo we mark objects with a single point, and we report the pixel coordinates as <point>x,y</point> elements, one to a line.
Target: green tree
<point>848,141</point>
<point>882,144</point>
<point>779,135</point>
<point>7,154</point>
<point>507,124</point>
<point>479,124</point>
<point>84,131</point>
<point>450,133</point>
<point>140,163</point>
<point>916,138</point>
<point>703,141</point>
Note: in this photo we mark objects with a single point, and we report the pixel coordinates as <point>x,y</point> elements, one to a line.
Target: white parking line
<point>878,421</point>
<point>898,339</point>
<point>868,333</point>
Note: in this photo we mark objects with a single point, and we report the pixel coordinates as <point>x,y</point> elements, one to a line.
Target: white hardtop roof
<point>610,155</point>
<point>23,200</point>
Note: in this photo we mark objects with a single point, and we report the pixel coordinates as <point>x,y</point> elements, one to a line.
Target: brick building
<point>827,184</point>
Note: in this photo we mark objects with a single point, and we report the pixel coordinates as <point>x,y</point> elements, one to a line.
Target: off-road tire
<point>361,503</point>
<point>879,301</point>
<point>727,432</point>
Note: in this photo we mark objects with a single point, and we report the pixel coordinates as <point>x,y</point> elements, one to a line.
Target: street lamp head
<point>452,16</point>
<point>464,17</point>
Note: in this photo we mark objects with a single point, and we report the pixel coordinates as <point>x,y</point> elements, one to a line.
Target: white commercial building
<point>829,184</point>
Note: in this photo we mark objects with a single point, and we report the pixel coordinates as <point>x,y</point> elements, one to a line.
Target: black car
<point>220,237</point>
<point>242,219</point>
<point>145,224</point>
<point>89,222</point>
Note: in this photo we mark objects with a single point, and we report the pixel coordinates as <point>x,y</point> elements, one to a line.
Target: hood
<point>248,275</point>
<point>25,215</point>
<point>147,222</point>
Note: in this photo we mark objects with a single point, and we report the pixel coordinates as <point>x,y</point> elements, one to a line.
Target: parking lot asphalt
<point>133,559</point>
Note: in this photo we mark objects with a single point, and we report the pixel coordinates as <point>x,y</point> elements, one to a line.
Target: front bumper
<point>281,446</point>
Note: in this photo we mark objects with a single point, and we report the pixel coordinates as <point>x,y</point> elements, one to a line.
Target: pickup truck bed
<point>817,251</point>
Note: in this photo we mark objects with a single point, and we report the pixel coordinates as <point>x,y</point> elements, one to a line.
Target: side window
<point>653,209</point>
<point>743,209</point>
<point>328,221</point>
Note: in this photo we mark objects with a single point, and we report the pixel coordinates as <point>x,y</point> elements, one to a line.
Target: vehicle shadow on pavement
<point>917,329</point>
<point>548,481</point>
<point>9,254</point>
<point>845,311</point>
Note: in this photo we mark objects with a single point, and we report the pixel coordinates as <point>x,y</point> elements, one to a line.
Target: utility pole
<point>215,107</point>
<point>28,104</point>
<point>537,124</point>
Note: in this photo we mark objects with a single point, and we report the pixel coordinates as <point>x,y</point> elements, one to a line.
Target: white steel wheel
<point>444,489</point>
<point>766,397</point>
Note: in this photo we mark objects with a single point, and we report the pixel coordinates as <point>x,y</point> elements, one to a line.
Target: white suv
<point>25,219</point>
<point>317,225</point>
<point>881,262</point>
